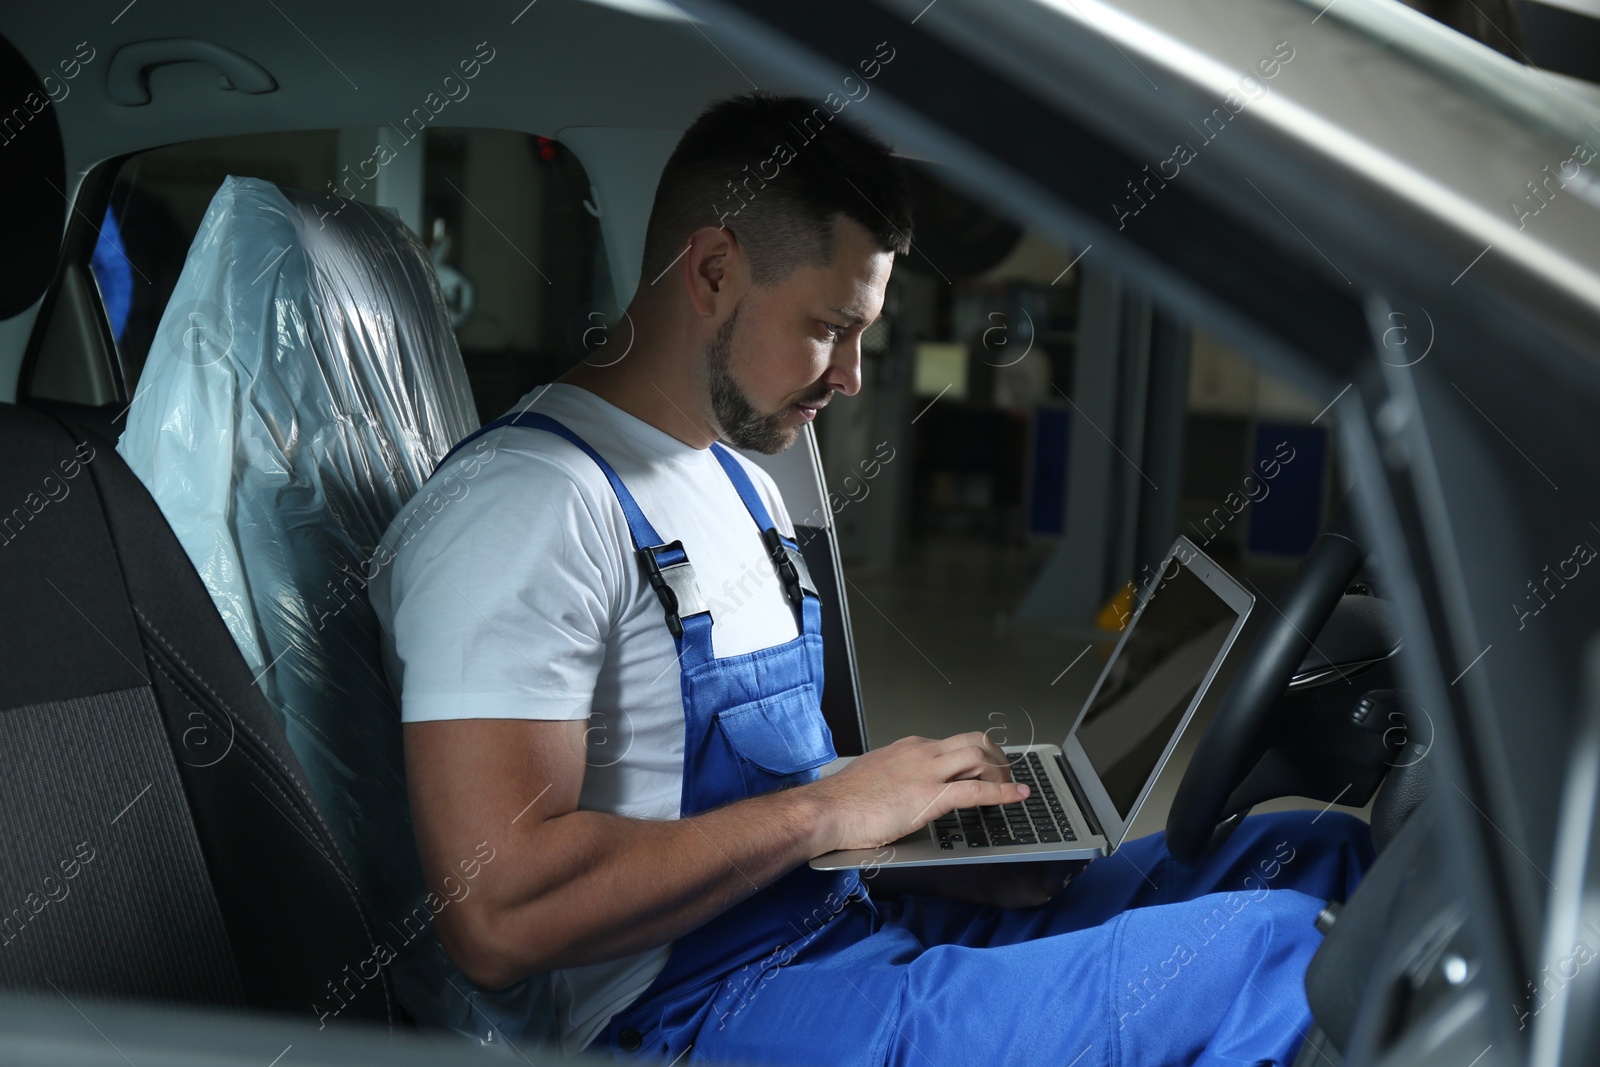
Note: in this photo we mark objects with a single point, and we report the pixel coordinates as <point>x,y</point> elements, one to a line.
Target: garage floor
<point>938,655</point>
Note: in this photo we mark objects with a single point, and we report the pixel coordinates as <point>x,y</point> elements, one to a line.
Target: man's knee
<point>1327,831</point>
<point>1314,829</point>
<point>1323,853</point>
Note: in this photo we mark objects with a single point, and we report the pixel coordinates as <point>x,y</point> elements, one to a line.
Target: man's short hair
<point>776,170</point>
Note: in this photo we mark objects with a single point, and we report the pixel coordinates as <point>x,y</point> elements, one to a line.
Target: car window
<point>1009,465</point>
<point>519,256</point>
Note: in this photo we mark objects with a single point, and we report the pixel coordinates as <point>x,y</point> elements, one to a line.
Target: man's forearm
<point>627,885</point>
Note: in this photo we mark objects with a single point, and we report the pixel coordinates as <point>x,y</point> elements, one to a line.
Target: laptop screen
<point>1140,704</point>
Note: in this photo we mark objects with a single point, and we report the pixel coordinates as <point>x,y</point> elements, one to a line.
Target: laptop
<point>1085,793</point>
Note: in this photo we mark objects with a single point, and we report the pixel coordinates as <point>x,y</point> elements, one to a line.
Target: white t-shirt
<point>508,588</point>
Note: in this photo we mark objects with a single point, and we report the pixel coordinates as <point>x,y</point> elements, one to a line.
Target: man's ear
<point>717,269</point>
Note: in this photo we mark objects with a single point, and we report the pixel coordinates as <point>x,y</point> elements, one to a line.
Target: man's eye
<point>836,332</point>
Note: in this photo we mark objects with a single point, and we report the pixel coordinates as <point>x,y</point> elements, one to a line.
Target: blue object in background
<point>1286,520</point>
<point>1047,478</point>
<point>114,274</point>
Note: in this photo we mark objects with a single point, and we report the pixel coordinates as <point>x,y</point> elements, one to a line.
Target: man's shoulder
<point>506,479</point>
<point>523,466</point>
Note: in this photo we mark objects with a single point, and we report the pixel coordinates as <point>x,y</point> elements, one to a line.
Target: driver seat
<point>305,402</point>
<point>318,384</point>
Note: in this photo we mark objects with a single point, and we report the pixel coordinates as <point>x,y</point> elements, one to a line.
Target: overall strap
<point>638,526</point>
<point>743,486</point>
<point>785,553</point>
<point>666,566</point>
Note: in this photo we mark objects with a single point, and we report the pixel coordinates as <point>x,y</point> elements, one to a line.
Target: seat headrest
<point>33,184</point>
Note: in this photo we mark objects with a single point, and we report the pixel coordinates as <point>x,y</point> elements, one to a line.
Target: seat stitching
<point>259,765</point>
<point>74,434</point>
<point>199,679</point>
<point>332,862</point>
<point>266,774</point>
<point>234,716</point>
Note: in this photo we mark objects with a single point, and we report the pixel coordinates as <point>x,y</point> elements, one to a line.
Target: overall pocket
<point>778,740</point>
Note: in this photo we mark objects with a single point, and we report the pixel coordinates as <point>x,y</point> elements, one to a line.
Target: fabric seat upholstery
<point>161,840</point>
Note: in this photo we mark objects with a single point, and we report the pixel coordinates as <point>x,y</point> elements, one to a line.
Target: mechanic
<point>649,777</point>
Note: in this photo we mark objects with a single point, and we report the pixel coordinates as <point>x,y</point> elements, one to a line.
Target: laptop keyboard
<point>1038,819</point>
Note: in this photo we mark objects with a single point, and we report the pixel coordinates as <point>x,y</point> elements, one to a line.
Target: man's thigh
<point>1216,980</point>
<point>1047,975</point>
<point>1320,855</point>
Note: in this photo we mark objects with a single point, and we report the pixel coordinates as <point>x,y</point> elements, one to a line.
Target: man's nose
<point>844,373</point>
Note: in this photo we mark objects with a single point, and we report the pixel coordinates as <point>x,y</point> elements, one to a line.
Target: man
<point>646,770</point>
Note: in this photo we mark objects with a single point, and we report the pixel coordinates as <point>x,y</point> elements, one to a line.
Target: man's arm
<point>569,887</point>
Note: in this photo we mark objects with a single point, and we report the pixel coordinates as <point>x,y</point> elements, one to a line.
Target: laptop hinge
<point>1077,794</point>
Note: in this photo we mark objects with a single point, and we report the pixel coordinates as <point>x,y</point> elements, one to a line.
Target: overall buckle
<point>791,567</point>
<point>674,584</point>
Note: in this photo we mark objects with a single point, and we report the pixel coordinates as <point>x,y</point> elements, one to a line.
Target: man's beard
<point>742,425</point>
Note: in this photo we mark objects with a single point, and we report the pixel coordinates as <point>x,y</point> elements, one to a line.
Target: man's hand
<point>891,791</point>
<point>1005,885</point>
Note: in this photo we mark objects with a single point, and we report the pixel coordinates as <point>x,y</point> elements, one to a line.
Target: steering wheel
<point>1237,736</point>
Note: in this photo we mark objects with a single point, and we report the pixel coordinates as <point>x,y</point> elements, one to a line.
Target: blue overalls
<point>1129,965</point>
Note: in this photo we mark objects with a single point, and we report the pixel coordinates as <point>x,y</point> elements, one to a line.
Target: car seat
<point>306,396</point>
<point>161,840</point>
<point>316,385</point>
